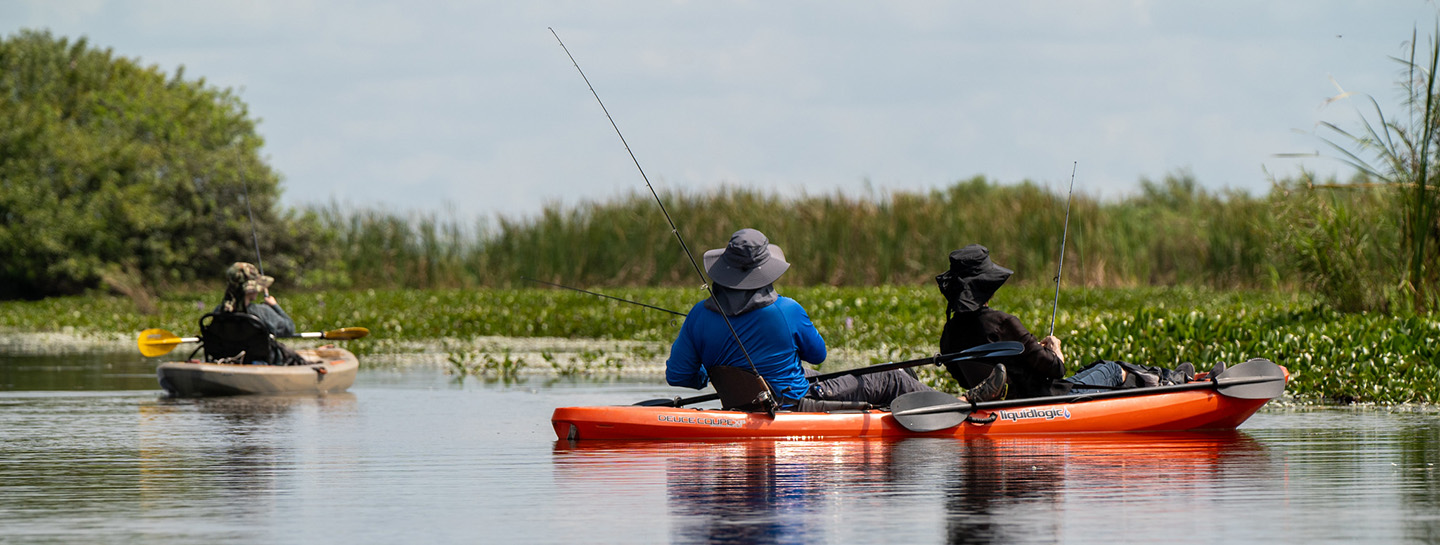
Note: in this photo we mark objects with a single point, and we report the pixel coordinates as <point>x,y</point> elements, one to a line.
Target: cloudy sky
<point>473,109</point>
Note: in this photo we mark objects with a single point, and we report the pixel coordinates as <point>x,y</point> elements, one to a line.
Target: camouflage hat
<point>243,274</point>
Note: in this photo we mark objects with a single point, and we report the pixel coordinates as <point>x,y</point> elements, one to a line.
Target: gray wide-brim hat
<point>972,278</point>
<point>749,261</point>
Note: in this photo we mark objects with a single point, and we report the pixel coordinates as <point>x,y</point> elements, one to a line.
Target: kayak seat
<point>740,389</point>
<point>226,336</point>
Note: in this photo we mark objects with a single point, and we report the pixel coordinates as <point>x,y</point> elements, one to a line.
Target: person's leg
<point>876,388</point>
<point>843,388</point>
<point>1104,373</point>
<point>882,388</point>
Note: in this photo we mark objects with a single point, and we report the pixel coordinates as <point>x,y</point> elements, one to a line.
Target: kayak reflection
<point>984,490</point>
<point>233,452</point>
<point>1001,490</point>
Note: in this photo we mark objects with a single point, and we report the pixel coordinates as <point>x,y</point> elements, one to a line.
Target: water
<point>90,452</point>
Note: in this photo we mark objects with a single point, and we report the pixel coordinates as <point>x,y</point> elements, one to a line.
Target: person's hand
<point>1052,343</point>
<point>270,300</point>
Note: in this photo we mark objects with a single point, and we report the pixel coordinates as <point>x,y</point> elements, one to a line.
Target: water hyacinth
<point>1332,356</point>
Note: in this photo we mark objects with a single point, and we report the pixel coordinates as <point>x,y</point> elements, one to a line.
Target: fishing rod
<point>1063,235</point>
<point>704,282</point>
<point>605,296</point>
<point>245,187</point>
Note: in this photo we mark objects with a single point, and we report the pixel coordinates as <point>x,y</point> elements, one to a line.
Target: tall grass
<point>1172,232</point>
<point>1400,154</point>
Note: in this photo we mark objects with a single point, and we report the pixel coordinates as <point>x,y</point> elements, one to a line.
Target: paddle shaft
<point>1004,349</point>
<point>826,376</point>
<point>1056,400</point>
<point>158,342</point>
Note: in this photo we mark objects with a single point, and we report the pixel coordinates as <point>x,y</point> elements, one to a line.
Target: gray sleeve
<point>274,318</point>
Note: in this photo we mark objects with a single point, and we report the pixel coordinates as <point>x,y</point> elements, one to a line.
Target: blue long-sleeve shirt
<point>777,336</point>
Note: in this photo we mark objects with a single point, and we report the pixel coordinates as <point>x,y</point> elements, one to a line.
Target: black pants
<point>877,389</point>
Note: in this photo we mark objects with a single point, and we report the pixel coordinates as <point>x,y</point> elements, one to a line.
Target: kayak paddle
<point>158,342</point>
<point>931,411</point>
<point>994,350</point>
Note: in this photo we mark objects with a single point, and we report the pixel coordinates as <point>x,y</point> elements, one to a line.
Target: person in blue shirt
<point>773,329</point>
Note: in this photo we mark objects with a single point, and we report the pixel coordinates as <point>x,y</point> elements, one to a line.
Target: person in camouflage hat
<point>245,284</point>
<point>247,277</point>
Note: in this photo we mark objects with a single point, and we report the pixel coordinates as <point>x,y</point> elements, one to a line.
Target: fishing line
<point>603,295</point>
<point>255,237</point>
<point>704,282</point>
<point>1063,235</point>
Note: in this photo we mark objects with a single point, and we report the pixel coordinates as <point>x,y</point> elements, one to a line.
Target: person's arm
<point>1052,343</point>
<point>1045,364</point>
<point>812,345</point>
<point>274,318</point>
<point>684,367</point>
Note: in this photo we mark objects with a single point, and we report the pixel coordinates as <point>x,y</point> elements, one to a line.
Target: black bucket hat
<point>971,280</point>
<point>749,261</point>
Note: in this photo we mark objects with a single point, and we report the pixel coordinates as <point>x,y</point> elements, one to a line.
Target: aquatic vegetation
<point>1331,355</point>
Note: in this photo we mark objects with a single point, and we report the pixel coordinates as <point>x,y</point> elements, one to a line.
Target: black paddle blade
<point>1254,379</point>
<point>662,402</point>
<point>928,411</point>
<point>993,350</point>
<point>678,401</point>
<point>977,362</point>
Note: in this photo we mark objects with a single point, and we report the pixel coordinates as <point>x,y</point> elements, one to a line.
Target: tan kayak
<point>330,370</point>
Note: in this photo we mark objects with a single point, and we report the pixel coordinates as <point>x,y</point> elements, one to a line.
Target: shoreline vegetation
<point>499,334</point>
<point>123,179</point>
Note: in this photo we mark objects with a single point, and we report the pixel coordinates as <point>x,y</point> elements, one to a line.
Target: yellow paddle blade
<point>157,342</point>
<point>347,333</point>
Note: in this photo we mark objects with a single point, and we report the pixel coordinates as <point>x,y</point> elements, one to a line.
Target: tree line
<point>116,176</point>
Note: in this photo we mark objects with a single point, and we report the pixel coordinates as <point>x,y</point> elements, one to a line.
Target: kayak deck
<point>330,369</point>
<point>1169,411</point>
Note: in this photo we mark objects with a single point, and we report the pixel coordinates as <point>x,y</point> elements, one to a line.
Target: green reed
<point>1172,232</point>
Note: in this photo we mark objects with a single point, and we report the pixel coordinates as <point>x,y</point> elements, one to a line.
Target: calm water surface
<point>90,452</point>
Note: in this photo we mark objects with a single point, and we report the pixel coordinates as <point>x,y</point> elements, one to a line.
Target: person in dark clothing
<point>968,286</point>
<point>773,329</point>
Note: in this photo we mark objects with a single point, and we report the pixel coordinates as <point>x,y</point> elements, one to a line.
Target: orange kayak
<point>1194,406</point>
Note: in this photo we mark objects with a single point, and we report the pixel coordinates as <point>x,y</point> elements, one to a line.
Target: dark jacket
<point>274,318</point>
<point>1031,373</point>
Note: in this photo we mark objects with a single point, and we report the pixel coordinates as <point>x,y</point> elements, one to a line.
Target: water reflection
<point>991,490</point>
<point>1008,489</point>
<point>229,454</point>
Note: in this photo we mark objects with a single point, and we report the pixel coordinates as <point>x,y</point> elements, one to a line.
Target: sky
<point>471,109</point>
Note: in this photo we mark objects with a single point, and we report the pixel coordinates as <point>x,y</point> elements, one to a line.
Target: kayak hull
<point>1170,411</point>
<point>330,370</point>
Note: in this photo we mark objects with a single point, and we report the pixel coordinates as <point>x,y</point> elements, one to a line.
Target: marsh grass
<point>1172,232</point>
<point>1399,154</point>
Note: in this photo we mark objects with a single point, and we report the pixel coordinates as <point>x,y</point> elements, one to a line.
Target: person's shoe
<point>1215,372</point>
<point>1186,370</point>
<point>992,388</point>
